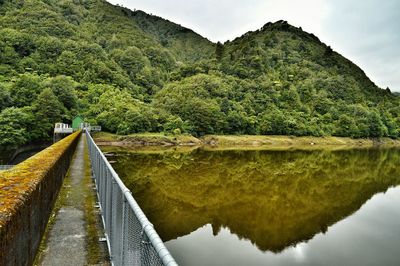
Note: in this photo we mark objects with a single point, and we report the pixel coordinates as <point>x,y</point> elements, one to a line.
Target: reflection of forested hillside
<point>273,198</point>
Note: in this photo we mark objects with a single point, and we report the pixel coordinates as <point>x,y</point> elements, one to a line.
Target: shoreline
<point>153,141</point>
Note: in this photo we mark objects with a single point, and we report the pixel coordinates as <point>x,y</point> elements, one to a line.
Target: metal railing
<point>130,237</point>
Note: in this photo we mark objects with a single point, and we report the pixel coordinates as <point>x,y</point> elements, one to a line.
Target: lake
<point>10,158</point>
<point>269,207</point>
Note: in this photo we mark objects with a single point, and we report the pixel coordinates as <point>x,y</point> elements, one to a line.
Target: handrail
<point>128,232</point>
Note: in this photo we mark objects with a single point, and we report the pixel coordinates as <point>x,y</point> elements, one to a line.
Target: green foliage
<point>131,60</point>
<point>14,123</point>
<point>64,88</point>
<point>48,109</point>
<point>192,100</point>
<point>5,99</point>
<point>176,125</point>
<point>346,127</point>
<point>117,111</point>
<point>25,90</point>
<point>219,51</point>
<point>133,72</point>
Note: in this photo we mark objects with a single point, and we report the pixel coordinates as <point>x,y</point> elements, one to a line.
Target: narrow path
<point>73,230</point>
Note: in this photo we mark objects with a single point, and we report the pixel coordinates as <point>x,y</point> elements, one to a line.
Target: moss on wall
<point>27,195</point>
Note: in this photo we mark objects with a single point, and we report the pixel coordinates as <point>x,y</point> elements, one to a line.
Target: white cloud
<point>226,19</point>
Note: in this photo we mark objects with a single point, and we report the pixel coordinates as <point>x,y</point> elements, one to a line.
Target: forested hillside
<point>129,72</point>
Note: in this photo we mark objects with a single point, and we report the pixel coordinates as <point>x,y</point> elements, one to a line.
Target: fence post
<point>124,230</point>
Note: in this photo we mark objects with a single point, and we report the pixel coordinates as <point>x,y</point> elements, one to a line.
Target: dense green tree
<point>15,127</point>
<point>176,125</point>
<point>131,60</point>
<point>219,50</point>
<point>8,55</point>
<point>346,127</point>
<point>5,99</point>
<point>69,64</point>
<point>133,72</point>
<point>117,111</point>
<point>192,100</point>
<point>26,89</point>
<point>274,122</point>
<point>64,88</point>
<point>376,126</point>
<point>48,109</point>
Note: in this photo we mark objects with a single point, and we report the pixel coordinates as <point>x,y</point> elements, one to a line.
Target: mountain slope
<point>133,72</point>
<point>282,80</point>
<point>278,45</point>
<point>186,45</point>
<point>109,41</point>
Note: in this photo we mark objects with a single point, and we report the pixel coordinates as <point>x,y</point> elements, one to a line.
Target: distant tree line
<point>131,72</point>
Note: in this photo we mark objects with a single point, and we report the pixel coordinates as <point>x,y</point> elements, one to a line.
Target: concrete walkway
<point>68,242</point>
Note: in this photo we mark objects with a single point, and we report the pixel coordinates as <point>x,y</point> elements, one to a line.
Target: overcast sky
<point>365,31</point>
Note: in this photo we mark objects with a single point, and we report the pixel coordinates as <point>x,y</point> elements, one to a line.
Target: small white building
<point>61,128</point>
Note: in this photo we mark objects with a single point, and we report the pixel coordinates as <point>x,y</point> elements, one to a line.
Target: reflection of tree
<point>273,198</point>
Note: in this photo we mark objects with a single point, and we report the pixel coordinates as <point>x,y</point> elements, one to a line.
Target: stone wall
<point>27,194</point>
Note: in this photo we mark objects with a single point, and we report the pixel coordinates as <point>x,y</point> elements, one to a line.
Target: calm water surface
<point>270,207</point>
<point>5,157</point>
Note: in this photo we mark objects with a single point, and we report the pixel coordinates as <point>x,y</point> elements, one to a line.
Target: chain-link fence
<point>131,238</point>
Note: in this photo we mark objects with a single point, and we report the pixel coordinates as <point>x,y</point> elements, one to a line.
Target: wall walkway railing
<point>130,237</point>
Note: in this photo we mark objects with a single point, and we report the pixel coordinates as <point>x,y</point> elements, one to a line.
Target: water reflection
<point>13,157</point>
<point>275,199</point>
